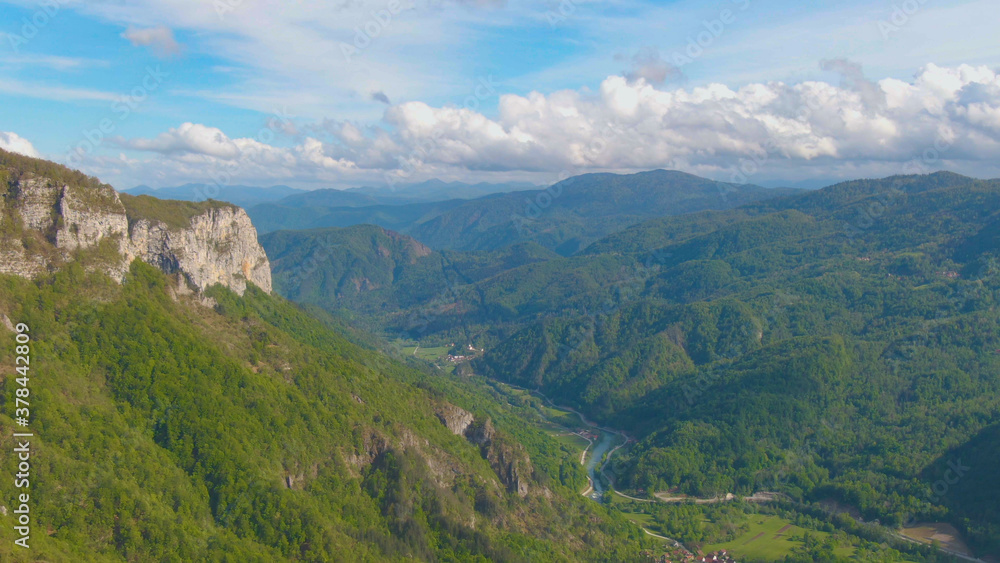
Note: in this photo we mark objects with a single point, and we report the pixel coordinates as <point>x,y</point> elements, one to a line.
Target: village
<point>473,353</point>
<point>677,554</point>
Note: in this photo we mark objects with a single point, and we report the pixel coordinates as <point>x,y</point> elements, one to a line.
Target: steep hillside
<point>175,420</point>
<point>831,346</point>
<point>340,264</point>
<point>367,269</point>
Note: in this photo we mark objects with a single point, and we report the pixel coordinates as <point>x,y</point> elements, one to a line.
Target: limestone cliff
<point>507,458</point>
<point>51,215</point>
<point>216,244</point>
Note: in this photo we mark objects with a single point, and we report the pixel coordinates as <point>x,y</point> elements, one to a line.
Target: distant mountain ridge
<point>242,196</point>
<point>564,217</point>
<point>249,196</point>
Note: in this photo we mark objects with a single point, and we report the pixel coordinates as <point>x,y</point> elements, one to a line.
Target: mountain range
<point>564,217</point>
<point>397,194</point>
<point>837,346</point>
<point>823,359</point>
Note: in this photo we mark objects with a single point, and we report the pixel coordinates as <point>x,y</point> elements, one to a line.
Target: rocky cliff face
<point>507,458</point>
<point>45,223</point>
<point>219,246</point>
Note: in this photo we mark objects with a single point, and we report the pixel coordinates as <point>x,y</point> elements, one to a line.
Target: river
<point>594,462</point>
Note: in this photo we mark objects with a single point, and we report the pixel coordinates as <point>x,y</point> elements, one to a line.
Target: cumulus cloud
<point>188,138</point>
<point>379,96</point>
<point>15,143</point>
<point>160,39</point>
<point>634,125</point>
<point>649,66</point>
<point>856,127</point>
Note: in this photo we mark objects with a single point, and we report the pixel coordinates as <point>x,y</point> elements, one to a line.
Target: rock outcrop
<point>507,458</point>
<point>45,223</point>
<point>454,418</point>
<point>219,246</point>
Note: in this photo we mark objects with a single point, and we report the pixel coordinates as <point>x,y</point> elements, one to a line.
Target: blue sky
<point>496,90</point>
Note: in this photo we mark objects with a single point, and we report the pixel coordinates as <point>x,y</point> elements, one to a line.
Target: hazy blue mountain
<point>243,196</point>
<point>439,190</point>
<point>269,217</point>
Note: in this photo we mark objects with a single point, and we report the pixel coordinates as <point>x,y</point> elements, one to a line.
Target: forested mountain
<point>838,346</point>
<point>174,420</point>
<point>564,217</point>
<point>368,269</point>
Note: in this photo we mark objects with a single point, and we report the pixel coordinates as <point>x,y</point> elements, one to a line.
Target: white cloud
<point>15,143</point>
<point>633,125</point>
<point>160,39</point>
<point>188,138</point>
<point>849,128</point>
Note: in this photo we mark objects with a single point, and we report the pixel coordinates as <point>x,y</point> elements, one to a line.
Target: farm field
<point>428,354</point>
<point>771,538</point>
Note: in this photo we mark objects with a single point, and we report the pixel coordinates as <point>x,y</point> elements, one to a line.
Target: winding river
<point>594,463</point>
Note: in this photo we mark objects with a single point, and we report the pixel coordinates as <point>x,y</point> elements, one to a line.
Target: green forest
<point>839,345</point>
<point>169,430</point>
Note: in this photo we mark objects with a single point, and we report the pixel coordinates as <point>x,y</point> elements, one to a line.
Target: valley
<point>482,281</point>
<point>739,347</point>
<point>698,381</point>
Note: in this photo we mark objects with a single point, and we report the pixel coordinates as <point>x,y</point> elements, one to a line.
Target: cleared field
<point>569,440</point>
<point>563,418</point>
<point>429,354</point>
<point>770,538</point>
<point>945,534</point>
